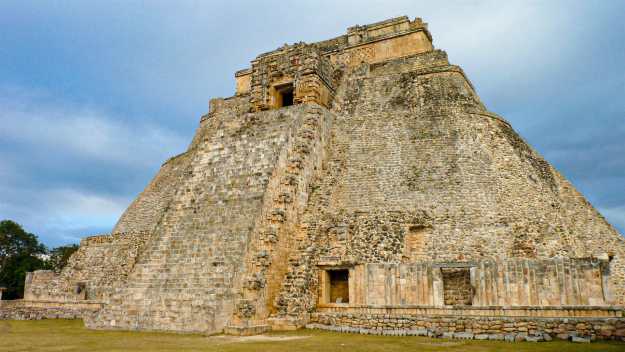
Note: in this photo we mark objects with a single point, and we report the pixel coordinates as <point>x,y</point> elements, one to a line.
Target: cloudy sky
<point>95,95</point>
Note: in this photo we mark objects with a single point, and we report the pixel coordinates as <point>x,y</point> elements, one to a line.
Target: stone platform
<point>485,323</point>
<point>37,310</point>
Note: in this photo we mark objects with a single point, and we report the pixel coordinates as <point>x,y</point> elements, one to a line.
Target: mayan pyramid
<point>345,180</point>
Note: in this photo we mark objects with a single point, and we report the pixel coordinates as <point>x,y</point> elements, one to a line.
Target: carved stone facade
<point>353,183</point>
<point>300,66</point>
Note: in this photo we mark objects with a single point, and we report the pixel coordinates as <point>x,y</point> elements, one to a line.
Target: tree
<point>14,241</point>
<point>13,274</point>
<point>60,255</point>
<point>20,252</point>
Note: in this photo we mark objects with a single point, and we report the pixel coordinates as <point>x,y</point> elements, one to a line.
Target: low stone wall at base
<point>38,310</point>
<point>579,329</point>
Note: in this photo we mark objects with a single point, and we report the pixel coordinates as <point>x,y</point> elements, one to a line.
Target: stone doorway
<point>334,286</point>
<point>284,95</point>
<point>457,289</point>
<point>339,286</point>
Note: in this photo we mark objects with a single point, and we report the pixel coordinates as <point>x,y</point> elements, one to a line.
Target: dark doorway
<point>339,286</point>
<point>284,95</point>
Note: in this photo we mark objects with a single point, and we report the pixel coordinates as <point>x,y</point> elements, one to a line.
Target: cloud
<point>83,131</point>
<point>61,216</point>
<point>69,170</point>
<point>109,90</point>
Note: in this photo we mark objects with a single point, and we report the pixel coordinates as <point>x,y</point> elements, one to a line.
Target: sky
<point>95,95</point>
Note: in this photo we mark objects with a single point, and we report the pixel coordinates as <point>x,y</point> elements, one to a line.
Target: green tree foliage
<point>21,252</point>
<point>14,242</point>
<point>60,255</point>
<point>13,274</point>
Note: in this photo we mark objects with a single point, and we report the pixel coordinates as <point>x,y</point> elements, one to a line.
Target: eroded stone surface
<point>388,166</point>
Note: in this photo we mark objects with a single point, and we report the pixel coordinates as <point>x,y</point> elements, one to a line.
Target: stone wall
<point>544,283</point>
<point>301,65</point>
<point>457,288</point>
<point>97,266</point>
<point>37,310</point>
<point>379,51</point>
<point>520,325</point>
<point>415,153</point>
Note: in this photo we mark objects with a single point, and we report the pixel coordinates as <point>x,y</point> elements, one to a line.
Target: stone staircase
<point>275,235</point>
<point>294,300</point>
<point>190,273</point>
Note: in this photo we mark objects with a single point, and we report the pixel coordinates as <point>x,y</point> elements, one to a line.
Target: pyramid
<point>358,184</point>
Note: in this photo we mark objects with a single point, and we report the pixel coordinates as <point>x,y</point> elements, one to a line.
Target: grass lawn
<point>71,335</point>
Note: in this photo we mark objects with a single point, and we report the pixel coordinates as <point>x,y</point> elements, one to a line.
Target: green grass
<point>70,335</point>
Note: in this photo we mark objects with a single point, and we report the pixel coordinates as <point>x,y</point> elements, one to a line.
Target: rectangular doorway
<point>457,289</point>
<point>334,286</point>
<point>284,95</point>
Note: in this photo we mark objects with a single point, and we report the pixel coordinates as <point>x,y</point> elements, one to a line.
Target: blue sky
<point>95,95</point>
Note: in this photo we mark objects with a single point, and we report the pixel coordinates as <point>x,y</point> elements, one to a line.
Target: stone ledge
<point>37,310</point>
<point>20,303</point>
<point>467,328</point>
<point>177,155</point>
<point>288,324</point>
<point>246,330</point>
<point>494,311</point>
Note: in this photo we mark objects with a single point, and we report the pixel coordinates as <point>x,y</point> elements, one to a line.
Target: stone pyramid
<point>351,177</point>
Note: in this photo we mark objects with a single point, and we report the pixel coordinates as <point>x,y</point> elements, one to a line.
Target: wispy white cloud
<point>61,215</point>
<point>64,127</point>
<point>539,64</point>
<point>70,212</point>
<point>85,204</point>
<point>37,127</point>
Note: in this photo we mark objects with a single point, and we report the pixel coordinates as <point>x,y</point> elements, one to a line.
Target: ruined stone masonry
<point>356,184</point>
